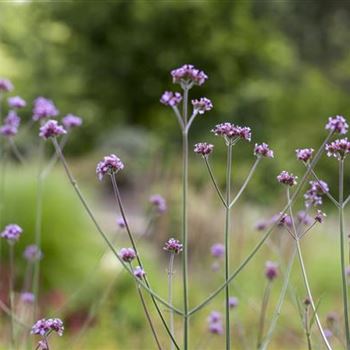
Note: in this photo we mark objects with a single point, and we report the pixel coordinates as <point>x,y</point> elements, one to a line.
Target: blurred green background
<point>280,67</point>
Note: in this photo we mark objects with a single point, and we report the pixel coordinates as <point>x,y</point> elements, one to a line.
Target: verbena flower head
<point>304,218</point>
<point>320,216</point>
<point>44,108</point>
<point>202,105</point>
<point>127,254</point>
<point>214,316</point>
<point>338,148</point>
<point>216,328</point>
<point>328,333</point>
<point>233,302</point>
<point>109,165</point>
<point>71,121</point>
<point>16,102</point>
<point>32,253</point>
<point>170,98</point>
<point>8,130</point>
<point>173,246</point>
<point>27,297</point>
<point>232,132</point>
<point>263,150</point>
<point>203,148</point>
<point>271,270</point>
<point>188,75</point>
<point>121,222</point>
<point>11,124</point>
<point>304,154</point>
<point>5,85</point>
<point>12,233</point>
<point>158,202</point>
<point>337,124</point>
<point>44,326</point>
<point>51,129</point>
<point>139,272</point>
<point>217,250</point>
<point>287,179</point>
<point>286,220</point>
<point>313,196</point>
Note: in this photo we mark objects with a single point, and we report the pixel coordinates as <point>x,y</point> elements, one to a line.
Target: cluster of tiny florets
<point>287,179</point>
<point>11,124</point>
<point>202,105</point>
<point>313,196</point>
<point>304,154</point>
<point>170,98</point>
<point>338,148</point>
<point>173,246</point>
<point>121,222</point>
<point>44,108</point>
<point>27,298</point>
<point>51,129</point>
<point>16,102</point>
<point>319,217</point>
<point>203,148</point>
<point>127,254</point>
<point>285,220</point>
<point>109,165</point>
<point>5,85</point>
<point>188,74</point>
<point>232,132</point>
<point>71,121</point>
<point>158,202</point>
<point>215,323</point>
<point>271,270</point>
<point>43,326</point>
<point>304,218</point>
<point>337,124</point>
<point>263,150</point>
<point>217,250</point>
<point>139,272</point>
<point>32,253</point>
<point>12,232</point>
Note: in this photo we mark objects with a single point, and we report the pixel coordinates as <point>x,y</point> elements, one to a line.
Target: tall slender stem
<point>307,327</point>
<point>264,304</point>
<point>184,220</point>
<point>170,296</point>
<point>11,293</point>
<point>342,253</point>
<point>227,245</point>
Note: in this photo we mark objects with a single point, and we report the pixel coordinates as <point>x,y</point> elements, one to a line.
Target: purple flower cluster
<point>313,196</point>
<point>320,216</point>
<point>215,323</point>
<point>27,298</point>
<point>337,124</point>
<point>127,254</point>
<point>271,270</point>
<point>159,203</point>
<point>263,150</point>
<point>217,250</point>
<point>16,102</point>
<point>287,179</point>
<point>170,98</point>
<point>202,105</point>
<point>285,220</point>
<point>203,148</point>
<point>121,222</point>
<point>44,326</point>
<point>139,272</point>
<point>11,124</point>
<point>5,85</point>
<point>32,253</point>
<point>71,121</point>
<point>232,132</point>
<point>188,75</point>
<point>12,233</point>
<point>51,129</point>
<point>304,218</point>
<point>173,246</point>
<point>44,108</point>
<point>304,154</point>
<point>233,302</point>
<point>338,148</point>
<point>109,165</point>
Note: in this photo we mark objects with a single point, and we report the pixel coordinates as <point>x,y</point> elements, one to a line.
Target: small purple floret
<point>44,108</point>
<point>173,246</point>
<point>109,165</point>
<point>202,105</point>
<point>188,75</point>
<point>11,124</point>
<point>304,154</point>
<point>51,129</point>
<point>159,203</point>
<point>16,102</point>
<point>12,233</point>
<point>263,150</point>
<point>32,253</point>
<point>217,250</point>
<point>320,216</point>
<point>233,302</point>
<point>71,121</point>
<point>337,124</point>
<point>338,148</point>
<point>203,148</point>
<point>43,326</point>
<point>121,222</point>
<point>287,179</point>
<point>271,270</point>
<point>127,254</point>
<point>27,297</point>
<point>5,85</point>
<point>139,272</point>
<point>170,98</point>
<point>232,132</point>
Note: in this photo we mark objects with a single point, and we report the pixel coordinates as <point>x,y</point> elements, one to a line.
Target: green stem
<point>227,246</point>
<point>11,292</point>
<point>170,296</point>
<point>264,304</point>
<point>307,327</point>
<point>342,253</point>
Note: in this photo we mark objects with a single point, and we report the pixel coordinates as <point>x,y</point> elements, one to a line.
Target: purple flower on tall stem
<point>232,132</point>
<point>12,233</point>
<point>158,202</point>
<point>139,272</point>
<point>214,316</point>
<point>287,179</point>
<point>51,129</point>
<point>215,323</point>
<point>44,108</point>
<point>45,326</point>
<point>16,102</point>
<point>173,246</point>
<point>32,253</point>
<point>217,250</point>
<point>187,75</point>
<point>304,154</point>
<point>233,302</point>
<point>271,270</point>
<point>286,220</point>
<point>109,165</point>
<point>320,216</point>
<point>263,150</point>
<point>337,124</point>
<point>27,298</point>
<point>170,98</point>
<point>203,148</point>
<point>127,254</point>
<point>338,148</point>
<point>5,85</point>
<point>11,124</point>
<point>121,222</point>
<point>202,105</point>
<point>71,121</point>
